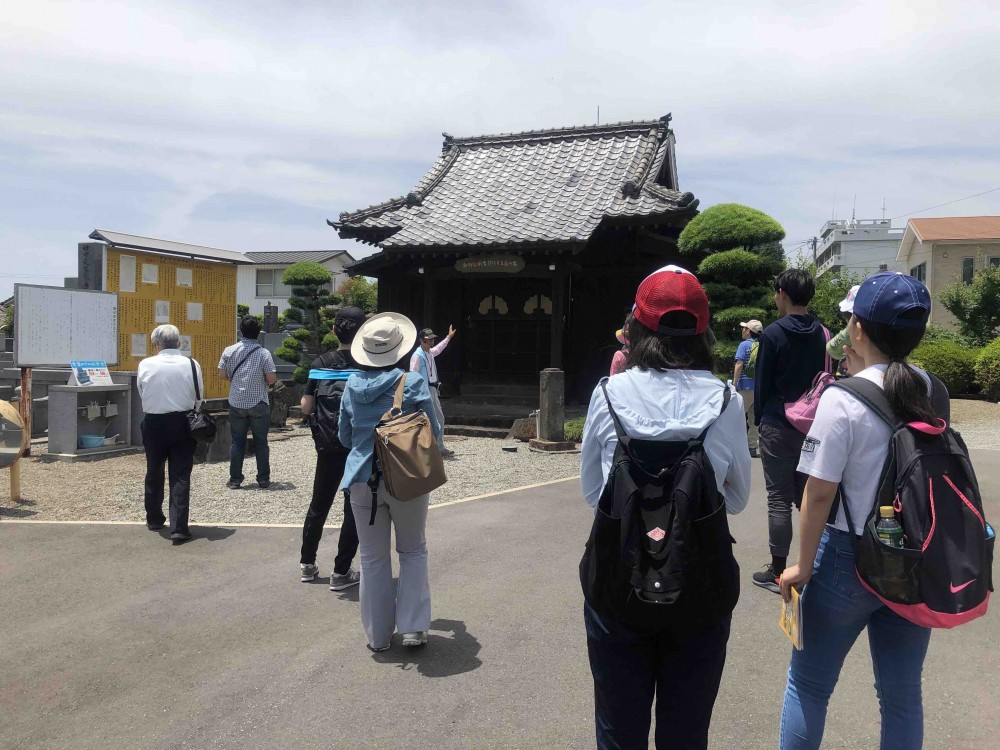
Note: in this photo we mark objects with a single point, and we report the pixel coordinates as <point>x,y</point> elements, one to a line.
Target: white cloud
<point>336,106</point>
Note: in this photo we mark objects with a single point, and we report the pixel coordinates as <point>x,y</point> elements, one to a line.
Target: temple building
<point>531,244</point>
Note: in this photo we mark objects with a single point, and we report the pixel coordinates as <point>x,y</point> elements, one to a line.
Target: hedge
<point>954,364</point>
<point>988,369</point>
<point>573,429</point>
<point>727,226</point>
<point>330,342</point>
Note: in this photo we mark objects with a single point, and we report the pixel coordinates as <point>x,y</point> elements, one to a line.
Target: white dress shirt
<point>165,382</point>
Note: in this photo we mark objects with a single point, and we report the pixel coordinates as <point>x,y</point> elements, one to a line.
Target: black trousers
<point>329,472</point>
<point>681,669</point>
<point>167,441</point>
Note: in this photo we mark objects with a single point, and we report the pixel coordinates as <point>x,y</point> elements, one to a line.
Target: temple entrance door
<point>507,328</point>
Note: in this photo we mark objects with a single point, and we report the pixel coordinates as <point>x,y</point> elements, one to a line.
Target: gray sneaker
<point>350,578</point>
<point>308,572</point>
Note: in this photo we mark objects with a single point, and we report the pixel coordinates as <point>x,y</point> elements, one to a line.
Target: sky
<point>245,125</point>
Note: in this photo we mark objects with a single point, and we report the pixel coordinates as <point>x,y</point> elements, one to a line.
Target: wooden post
<point>25,406</point>
<point>15,482</point>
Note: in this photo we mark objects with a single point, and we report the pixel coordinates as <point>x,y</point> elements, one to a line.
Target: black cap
<point>428,333</point>
<point>347,322</point>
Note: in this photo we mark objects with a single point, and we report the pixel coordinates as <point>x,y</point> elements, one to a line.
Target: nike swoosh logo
<point>955,589</point>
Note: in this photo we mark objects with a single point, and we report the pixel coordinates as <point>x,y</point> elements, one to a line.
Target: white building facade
<point>865,246</point>
<point>260,283</point>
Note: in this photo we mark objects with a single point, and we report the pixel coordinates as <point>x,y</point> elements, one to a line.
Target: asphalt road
<point>112,638</point>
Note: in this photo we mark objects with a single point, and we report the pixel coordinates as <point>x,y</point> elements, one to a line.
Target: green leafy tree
<point>360,292</point>
<point>310,297</point>
<point>831,288</point>
<point>976,306</point>
<point>738,253</point>
<point>242,311</point>
<point>7,321</point>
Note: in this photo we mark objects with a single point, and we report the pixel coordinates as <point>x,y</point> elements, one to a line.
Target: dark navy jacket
<point>792,350</point>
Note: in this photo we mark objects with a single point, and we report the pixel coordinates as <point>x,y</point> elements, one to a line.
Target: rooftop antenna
<point>883,208</point>
<point>598,114</point>
<point>833,213</point>
<point>852,222</point>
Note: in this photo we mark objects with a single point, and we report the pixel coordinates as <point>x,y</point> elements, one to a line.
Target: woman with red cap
<point>667,393</point>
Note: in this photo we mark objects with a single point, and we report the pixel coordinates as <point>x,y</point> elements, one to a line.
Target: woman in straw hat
<point>381,342</point>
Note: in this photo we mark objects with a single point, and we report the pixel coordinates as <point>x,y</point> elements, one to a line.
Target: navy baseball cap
<point>888,296</point>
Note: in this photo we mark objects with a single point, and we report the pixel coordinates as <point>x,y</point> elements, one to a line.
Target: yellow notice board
<point>196,296</point>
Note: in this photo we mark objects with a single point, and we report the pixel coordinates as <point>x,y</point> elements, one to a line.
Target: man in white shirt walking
<point>166,386</point>
<point>422,361</point>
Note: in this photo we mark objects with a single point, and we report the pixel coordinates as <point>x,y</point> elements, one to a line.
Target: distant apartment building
<point>940,252</point>
<point>864,246</point>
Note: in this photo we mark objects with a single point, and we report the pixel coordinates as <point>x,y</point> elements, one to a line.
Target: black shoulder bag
<point>201,425</point>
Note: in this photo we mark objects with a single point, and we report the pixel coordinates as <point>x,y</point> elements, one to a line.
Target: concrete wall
<point>246,283</point>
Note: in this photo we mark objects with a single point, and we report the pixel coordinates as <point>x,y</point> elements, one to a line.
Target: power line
<point>939,205</point>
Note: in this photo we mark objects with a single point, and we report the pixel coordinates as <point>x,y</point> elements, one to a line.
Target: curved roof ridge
<point>376,208</point>
<point>628,126</point>
<point>643,161</point>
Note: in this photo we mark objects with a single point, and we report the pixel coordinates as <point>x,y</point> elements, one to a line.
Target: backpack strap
<point>619,430</point>
<point>726,396</point>
<point>872,397</point>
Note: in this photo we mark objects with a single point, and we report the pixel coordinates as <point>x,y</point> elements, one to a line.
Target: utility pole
<point>815,241</point>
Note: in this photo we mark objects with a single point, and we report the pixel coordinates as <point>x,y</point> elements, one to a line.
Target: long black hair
<point>649,350</point>
<point>904,387</point>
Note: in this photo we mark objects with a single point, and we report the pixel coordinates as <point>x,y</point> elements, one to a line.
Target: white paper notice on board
<point>185,277</point>
<point>162,311</point>
<point>126,273</point>
<point>57,326</point>
<point>185,346</point>
<point>138,345</point>
<point>194,311</point>
<point>150,273</point>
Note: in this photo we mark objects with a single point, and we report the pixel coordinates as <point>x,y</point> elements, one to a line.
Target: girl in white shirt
<point>846,447</point>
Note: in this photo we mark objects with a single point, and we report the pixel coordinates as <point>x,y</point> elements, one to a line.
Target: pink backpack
<point>801,413</point>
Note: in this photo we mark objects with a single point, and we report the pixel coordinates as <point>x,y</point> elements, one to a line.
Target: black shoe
<point>754,453</point>
<point>233,485</point>
<point>767,579</point>
<point>264,484</point>
<point>179,538</point>
<point>155,526</point>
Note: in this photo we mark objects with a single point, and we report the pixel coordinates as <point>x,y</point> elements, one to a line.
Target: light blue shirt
<point>366,399</point>
<point>743,355</point>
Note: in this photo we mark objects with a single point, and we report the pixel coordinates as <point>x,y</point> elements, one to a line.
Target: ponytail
<point>904,387</point>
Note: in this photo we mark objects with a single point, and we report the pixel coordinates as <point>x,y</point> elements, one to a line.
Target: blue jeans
<point>835,609</point>
<point>682,669</point>
<point>256,421</point>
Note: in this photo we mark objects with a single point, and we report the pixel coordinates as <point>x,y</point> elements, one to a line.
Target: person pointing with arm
<point>423,362</point>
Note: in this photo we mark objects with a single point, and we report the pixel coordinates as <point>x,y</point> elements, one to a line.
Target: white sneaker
<point>413,640</point>
<point>350,578</point>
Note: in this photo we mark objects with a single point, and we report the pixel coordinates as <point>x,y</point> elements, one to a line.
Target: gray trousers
<point>439,412</point>
<point>386,608</point>
<point>779,455</point>
<point>753,438</point>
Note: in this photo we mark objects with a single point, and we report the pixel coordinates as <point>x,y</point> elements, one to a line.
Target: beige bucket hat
<point>383,339</point>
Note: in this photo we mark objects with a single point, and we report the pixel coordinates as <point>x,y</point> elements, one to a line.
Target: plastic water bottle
<point>888,528</point>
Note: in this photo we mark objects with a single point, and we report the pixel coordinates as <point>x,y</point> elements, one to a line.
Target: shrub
<point>301,334</point>
<point>727,226</point>
<point>330,342</point>
<point>725,355</point>
<point>359,292</point>
<point>988,369</point>
<point>976,306</point>
<point>954,364</point>
<point>242,311</point>
<point>936,333</point>
<point>573,429</point>
<point>732,266</point>
<point>731,318</point>
<point>305,274</point>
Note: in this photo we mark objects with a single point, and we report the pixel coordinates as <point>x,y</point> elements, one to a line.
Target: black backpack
<point>660,552</point>
<point>325,417</point>
<point>943,575</point>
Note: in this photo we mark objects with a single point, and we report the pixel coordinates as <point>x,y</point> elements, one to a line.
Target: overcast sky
<point>245,125</point>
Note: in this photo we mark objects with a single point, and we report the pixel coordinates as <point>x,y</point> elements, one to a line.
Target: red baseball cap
<point>671,289</point>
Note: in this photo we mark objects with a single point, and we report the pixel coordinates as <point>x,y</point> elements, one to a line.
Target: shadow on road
<point>450,650</point>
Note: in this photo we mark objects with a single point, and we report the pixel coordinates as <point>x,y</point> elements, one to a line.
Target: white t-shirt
<point>848,444</point>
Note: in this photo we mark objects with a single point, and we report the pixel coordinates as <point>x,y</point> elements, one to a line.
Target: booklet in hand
<point>790,620</point>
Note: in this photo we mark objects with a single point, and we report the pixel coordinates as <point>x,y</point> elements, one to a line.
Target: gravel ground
<point>111,489</point>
